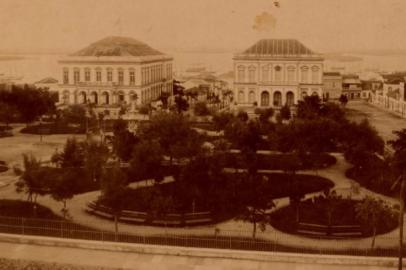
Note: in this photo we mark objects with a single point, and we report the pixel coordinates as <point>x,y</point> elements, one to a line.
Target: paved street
<point>382,120</point>
<point>129,260</point>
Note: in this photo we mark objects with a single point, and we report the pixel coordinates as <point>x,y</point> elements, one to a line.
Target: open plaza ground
<point>12,149</point>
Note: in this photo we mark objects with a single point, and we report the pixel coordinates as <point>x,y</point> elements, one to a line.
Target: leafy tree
<point>144,109</point>
<point>174,134</point>
<point>123,140</point>
<point>256,202</point>
<point>309,107</point>
<point>114,192</point>
<point>72,155</point>
<point>164,99</point>
<point>8,113</point>
<point>361,140</point>
<point>181,103</point>
<point>63,188</point>
<point>265,115</point>
<point>95,157</point>
<point>242,115</point>
<point>32,180</point>
<point>332,200</point>
<point>146,161</point>
<point>373,214</point>
<point>201,109</point>
<point>161,206</point>
<point>285,113</point>
<point>220,120</point>
<point>75,114</point>
<point>31,102</point>
<point>343,100</point>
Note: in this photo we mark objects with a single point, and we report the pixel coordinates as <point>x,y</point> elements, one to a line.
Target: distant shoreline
<point>11,57</point>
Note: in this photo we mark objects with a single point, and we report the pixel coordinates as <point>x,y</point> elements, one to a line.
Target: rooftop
<point>117,46</point>
<point>331,74</point>
<point>285,47</point>
<point>47,80</point>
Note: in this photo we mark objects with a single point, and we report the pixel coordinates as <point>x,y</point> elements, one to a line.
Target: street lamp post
<point>40,128</point>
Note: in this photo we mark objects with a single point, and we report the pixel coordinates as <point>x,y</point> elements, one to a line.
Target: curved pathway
<point>13,147</point>
<point>336,173</point>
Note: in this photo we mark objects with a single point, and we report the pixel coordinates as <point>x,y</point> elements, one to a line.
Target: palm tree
<point>372,213</point>
<point>399,145</point>
<point>114,191</point>
<point>31,180</point>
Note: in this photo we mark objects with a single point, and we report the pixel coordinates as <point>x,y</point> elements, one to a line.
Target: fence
<point>391,104</point>
<point>187,238</point>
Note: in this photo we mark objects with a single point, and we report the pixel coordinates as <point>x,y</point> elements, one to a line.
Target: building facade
<point>276,72</point>
<point>114,72</point>
<point>352,86</point>
<point>332,85</point>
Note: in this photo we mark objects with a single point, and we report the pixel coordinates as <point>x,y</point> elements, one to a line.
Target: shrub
<point>201,109</point>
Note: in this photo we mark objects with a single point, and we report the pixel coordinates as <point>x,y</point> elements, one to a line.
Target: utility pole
<point>401,213</point>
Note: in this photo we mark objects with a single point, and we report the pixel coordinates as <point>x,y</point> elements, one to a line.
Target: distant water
<point>36,67</point>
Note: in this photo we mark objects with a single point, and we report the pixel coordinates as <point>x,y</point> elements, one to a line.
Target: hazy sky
<point>323,25</point>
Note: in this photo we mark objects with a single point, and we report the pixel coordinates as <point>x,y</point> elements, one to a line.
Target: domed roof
<point>117,46</point>
<point>285,47</point>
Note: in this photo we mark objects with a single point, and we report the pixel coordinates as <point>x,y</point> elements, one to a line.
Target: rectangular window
<point>132,77</point>
<point>98,76</point>
<point>87,75</point>
<point>66,77</point>
<point>76,76</point>
<point>120,77</point>
<point>109,76</point>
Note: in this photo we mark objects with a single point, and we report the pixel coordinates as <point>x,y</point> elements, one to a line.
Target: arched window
<point>290,98</point>
<point>241,74</point>
<point>291,74</point>
<point>251,97</point>
<point>265,74</point>
<point>315,74</point>
<point>94,98</point>
<point>315,93</point>
<point>251,74</point>
<point>82,98</point>
<point>65,97</point>
<point>265,99</point>
<point>106,98</point>
<point>304,94</point>
<point>277,99</point>
<point>120,97</point>
<point>241,97</point>
<point>278,73</point>
<point>304,74</point>
<point>133,97</point>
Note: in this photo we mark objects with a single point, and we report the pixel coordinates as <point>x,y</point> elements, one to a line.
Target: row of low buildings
<point>119,71</point>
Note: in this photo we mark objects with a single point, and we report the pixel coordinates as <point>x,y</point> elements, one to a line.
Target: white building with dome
<point>276,72</point>
<point>114,72</point>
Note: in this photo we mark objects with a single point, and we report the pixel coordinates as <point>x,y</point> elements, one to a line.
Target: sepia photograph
<point>202,134</point>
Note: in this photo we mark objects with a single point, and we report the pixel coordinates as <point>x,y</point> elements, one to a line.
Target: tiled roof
<point>48,80</point>
<point>278,47</point>
<point>117,46</point>
<point>331,74</point>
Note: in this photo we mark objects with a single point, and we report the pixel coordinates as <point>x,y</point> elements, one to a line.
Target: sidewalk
<point>68,254</point>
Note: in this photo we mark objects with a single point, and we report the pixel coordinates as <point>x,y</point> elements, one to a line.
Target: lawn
<point>315,211</point>
<point>222,200</point>
<point>53,128</point>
